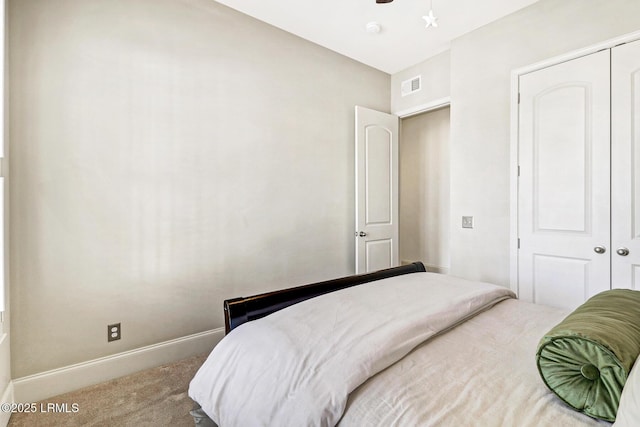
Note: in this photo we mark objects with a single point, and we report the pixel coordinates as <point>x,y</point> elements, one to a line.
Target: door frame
<point>409,112</point>
<point>436,104</point>
<point>427,107</point>
<point>6,381</point>
<point>514,142</point>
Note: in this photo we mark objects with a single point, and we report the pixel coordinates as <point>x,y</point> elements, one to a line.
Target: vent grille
<point>410,86</point>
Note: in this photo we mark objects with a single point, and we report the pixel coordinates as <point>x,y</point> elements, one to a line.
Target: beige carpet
<point>155,397</point>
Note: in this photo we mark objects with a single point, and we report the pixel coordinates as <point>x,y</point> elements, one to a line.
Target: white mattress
<point>482,373</point>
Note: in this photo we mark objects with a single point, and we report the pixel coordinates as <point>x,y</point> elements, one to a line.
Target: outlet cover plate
<point>113,332</point>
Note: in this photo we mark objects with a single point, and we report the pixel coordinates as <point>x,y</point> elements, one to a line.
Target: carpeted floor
<point>154,397</point>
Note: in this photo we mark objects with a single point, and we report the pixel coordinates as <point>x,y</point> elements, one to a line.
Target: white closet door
<point>564,184</point>
<point>625,173</point>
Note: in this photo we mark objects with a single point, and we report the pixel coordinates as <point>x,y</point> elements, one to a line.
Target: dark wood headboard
<point>240,310</point>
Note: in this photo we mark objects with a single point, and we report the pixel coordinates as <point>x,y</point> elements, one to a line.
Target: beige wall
<point>435,73</point>
<point>476,73</point>
<point>166,155</point>
<point>424,190</point>
<point>481,65</point>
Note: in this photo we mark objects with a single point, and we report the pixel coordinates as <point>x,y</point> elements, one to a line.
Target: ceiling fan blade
<point>383,1</point>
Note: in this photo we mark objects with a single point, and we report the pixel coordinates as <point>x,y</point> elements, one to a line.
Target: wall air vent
<point>410,86</point>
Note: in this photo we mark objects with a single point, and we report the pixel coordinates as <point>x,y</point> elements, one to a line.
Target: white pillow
<point>629,409</point>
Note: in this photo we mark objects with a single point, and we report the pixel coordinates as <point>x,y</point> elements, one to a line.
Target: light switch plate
<point>467,222</point>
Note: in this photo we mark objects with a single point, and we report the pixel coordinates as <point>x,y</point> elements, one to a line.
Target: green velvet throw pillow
<point>586,359</point>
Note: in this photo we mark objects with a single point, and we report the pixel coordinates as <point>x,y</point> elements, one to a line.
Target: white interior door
<point>376,190</point>
<point>564,183</point>
<point>625,173</point>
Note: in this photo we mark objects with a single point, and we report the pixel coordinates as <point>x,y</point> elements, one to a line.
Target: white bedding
<point>482,373</point>
<point>296,367</point>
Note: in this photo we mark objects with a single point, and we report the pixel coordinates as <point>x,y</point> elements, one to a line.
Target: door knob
<point>362,234</point>
<point>622,251</point>
<point>600,249</point>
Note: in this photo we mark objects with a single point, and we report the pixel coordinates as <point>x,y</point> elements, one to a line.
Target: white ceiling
<point>340,25</point>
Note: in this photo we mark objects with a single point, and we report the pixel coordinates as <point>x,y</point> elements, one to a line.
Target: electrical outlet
<point>113,332</point>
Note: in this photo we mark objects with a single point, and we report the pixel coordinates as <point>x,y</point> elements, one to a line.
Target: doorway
<point>424,205</point>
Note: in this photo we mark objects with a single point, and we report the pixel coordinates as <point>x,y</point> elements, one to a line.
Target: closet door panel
<point>564,184</point>
<point>625,170</point>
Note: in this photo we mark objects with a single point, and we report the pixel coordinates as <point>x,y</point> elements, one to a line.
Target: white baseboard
<point>47,384</point>
<point>7,397</point>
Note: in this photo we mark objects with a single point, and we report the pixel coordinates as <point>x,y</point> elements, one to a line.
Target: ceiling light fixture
<point>430,19</point>
<point>373,28</point>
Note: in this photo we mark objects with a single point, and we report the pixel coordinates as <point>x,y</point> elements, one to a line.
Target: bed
<point>398,347</point>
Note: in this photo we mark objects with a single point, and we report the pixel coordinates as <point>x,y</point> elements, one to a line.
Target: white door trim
<point>424,108</point>
<point>514,143</point>
<point>7,397</point>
